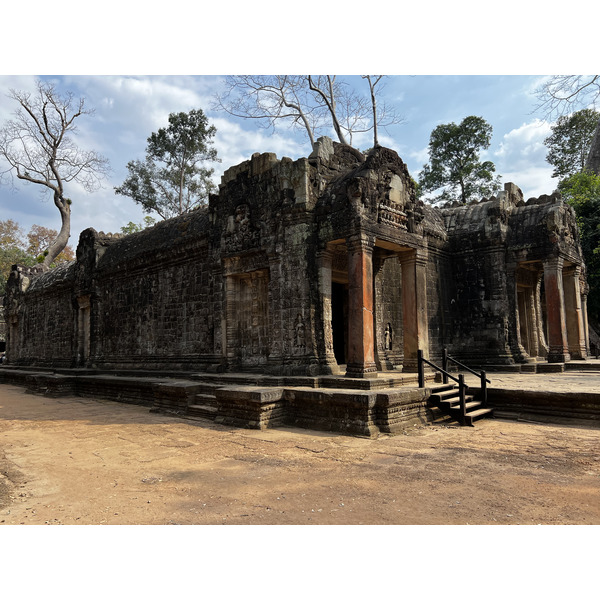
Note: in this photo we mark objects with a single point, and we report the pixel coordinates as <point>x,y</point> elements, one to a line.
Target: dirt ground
<point>83,461</point>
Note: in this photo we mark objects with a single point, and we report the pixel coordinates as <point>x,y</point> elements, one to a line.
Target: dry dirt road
<point>83,461</point>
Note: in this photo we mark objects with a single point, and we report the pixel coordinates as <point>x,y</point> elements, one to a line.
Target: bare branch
<point>38,149</point>
<point>562,94</point>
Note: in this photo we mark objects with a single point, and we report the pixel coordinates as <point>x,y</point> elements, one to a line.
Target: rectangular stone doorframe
<point>414,307</point>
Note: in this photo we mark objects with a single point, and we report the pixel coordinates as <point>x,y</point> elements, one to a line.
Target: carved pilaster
<point>325,262</point>
<point>558,350</point>
<point>414,307</point>
<point>574,313</point>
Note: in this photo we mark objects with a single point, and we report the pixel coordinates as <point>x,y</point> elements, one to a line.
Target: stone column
<point>540,335</point>
<point>414,307</point>
<point>558,349</point>
<point>586,326</point>
<point>361,357</point>
<point>324,262</point>
<point>573,313</point>
<point>532,327</point>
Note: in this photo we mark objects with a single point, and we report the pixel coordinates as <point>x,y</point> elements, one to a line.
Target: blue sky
<point>448,61</point>
<point>129,108</point>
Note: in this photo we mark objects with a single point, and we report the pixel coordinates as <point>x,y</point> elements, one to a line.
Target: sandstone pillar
<point>574,313</point>
<point>586,326</point>
<point>414,308</point>
<point>361,357</point>
<point>540,335</point>
<point>324,262</point>
<point>558,349</point>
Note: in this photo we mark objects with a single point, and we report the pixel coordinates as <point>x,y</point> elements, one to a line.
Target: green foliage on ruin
<point>29,250</point>
<point>454,163</point>
<point>582,192</point>
<point>132,227</point>
<point>570,142</point>
<point>173,180</point>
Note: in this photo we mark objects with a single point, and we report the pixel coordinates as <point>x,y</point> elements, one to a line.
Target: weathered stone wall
<point>42,330</point>
<point>290,260</point>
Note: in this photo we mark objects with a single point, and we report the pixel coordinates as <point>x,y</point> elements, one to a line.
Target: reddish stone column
<point>414,308</point>
<point>361,357</point>
<point>558,349</point>
<point>574,313</point>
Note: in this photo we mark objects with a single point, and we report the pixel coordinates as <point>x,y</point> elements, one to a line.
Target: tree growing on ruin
<point>454,164</point>
<point>173,180</point>
<point>562,94</point>
<point>570,142</point>
<point>312,104</point>
<point>38,147</point>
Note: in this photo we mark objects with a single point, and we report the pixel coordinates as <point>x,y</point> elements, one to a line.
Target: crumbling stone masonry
<point>323,266</point>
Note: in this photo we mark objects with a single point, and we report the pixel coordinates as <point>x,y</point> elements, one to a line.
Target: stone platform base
<point>388,403</point>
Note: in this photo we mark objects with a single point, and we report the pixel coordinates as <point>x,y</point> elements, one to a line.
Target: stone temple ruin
<point>302,295</point>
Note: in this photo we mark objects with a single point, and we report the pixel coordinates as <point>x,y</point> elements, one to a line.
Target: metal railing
<point>460,379</point>
<point>481,374</point>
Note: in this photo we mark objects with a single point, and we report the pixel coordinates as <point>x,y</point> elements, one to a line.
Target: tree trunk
<point>593,159</point>
<point>62,239</point>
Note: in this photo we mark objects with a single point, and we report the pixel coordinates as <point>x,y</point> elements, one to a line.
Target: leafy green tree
<point>582,192</point>
<point>570,142</point>
<point>172,180</point>
<point>455,165</point>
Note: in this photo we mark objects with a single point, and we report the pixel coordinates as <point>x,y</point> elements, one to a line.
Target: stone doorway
<point>369,324</point>
<point>339,321</point>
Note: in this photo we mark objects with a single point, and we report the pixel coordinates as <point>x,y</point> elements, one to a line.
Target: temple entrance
<point>339,321</point>
<point>375,315</point>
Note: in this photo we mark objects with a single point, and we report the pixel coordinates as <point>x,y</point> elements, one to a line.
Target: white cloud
<point>521,158</point>
<point>526,143</point>
<point>533,181</point>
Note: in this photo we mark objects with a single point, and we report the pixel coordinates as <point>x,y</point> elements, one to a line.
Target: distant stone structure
<point>324,265</point>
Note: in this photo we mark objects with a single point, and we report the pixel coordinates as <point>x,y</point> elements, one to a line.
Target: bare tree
<point>39,149</point>
<point>312,103</point>
<point>563,94</point>
<point>270,98</point>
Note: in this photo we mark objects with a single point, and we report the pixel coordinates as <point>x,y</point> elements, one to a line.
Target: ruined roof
<point>165,236</point>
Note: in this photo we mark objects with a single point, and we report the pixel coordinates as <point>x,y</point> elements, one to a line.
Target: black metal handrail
<point>462,386</point>
<point>446,358</point>
<point>460,379</point>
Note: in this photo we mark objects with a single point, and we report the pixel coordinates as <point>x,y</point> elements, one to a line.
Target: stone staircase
<point>203,404</point>
<point>447,398</point>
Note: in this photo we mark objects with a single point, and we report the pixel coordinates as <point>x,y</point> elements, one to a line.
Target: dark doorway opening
<point>339,320</point>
